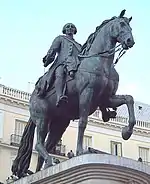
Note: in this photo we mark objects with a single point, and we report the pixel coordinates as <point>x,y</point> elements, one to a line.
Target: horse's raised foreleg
<point>84,108</point>
<point>118,100</point>
<point>42,124</point>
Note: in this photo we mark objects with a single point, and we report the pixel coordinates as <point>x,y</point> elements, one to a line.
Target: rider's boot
<point>59,86</point>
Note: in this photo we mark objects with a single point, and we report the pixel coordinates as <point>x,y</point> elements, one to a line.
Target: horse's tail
<point>22,160</point>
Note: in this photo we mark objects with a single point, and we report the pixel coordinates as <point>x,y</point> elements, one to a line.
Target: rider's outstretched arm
<point>55,47</point>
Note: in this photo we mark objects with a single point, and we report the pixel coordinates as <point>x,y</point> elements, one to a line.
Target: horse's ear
<point>130,19</point>
<point>122,13</point>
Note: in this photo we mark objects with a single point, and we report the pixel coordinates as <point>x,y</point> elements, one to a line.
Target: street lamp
<point>29,85</point>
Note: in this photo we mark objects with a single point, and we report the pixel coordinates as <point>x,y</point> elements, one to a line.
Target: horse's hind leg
<point>52,139</point>
<point>84,108</point>
<point>40,158</point>
<point>118,100</point>
<point>55,134</point>
<point>50,143</point>
<point>42,125</point>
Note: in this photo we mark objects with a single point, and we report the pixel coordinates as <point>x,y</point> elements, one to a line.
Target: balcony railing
<point>10,92</point>
<point>60,149</point>
<point>119,119</point>
<point>15,140</point>
<point>24,96</point>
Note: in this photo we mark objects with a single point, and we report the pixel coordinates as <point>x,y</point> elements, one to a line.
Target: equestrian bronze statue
<point>80,80</point>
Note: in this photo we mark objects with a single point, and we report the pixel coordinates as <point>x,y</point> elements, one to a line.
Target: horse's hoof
<point>105,118</point>
<point>126,133</point>
<point>112,114</point>
<point>22,175</point>
<point>78,153</point>
<point>48,163</point>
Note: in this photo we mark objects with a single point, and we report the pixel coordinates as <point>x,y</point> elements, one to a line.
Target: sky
<point>28,28</point>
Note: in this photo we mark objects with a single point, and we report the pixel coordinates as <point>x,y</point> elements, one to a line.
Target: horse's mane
<point>86,46</point>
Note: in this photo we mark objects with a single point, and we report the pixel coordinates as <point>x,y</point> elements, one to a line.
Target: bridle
<point>108,53</point>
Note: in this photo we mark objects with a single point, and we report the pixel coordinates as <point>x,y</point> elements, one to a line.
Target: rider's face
<point>70,29</point>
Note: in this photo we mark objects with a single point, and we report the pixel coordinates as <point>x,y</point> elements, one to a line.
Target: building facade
<point>104,136</point>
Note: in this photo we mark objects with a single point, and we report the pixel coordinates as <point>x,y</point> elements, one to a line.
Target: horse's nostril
<point>128,40</point>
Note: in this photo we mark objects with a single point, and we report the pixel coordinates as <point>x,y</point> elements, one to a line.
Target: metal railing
<point>120,119</point>
<point>15,140</point>
<point>10,92</point>
<point>60,149</point>
<point>24,96</point>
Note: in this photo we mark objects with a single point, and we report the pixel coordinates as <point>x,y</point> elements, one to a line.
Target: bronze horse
<point>95,85</point>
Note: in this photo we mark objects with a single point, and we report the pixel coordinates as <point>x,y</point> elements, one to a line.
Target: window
<point>19,127</point>
<point>144,154</point>
<point>116,148</point>
<point>87,142</point>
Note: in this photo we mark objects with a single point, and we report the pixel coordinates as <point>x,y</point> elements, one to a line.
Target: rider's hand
<point>47,60</point>
<point>44,59</point>
<point>45,64</point>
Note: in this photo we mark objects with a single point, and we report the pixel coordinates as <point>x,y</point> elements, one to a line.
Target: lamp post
<point>29,86</point>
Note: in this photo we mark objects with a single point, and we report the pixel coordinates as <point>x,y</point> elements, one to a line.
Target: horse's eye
<point>122,24</point>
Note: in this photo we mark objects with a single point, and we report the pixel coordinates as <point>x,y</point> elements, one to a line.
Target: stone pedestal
<point>92,169</point>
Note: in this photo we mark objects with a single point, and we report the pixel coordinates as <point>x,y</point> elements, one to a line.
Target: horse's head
<point>121,31</point>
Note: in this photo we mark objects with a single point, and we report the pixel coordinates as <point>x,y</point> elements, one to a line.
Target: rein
<point>110,52</point>
<point>121,53</point>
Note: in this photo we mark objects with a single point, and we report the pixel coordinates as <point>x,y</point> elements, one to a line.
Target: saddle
<point>45,89</point>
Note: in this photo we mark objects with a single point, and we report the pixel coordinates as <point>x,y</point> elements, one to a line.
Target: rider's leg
<point>72,65</point>
<point>59,85</point>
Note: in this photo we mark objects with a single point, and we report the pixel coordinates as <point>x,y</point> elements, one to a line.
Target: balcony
<point>121,120</point>
<point>60,149</point>
<point>15,140</point>
<point>14,93</point>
